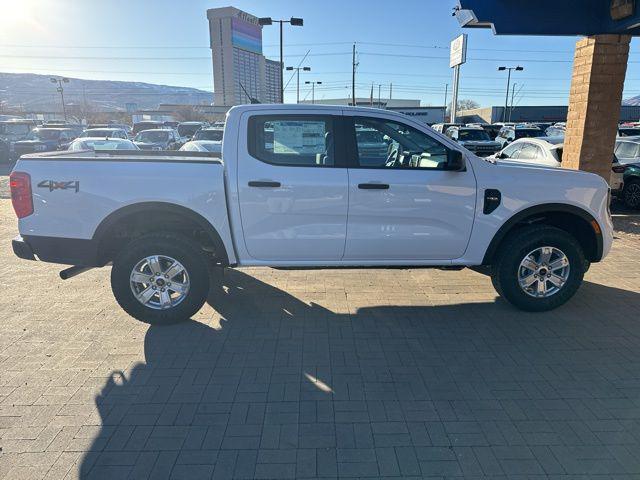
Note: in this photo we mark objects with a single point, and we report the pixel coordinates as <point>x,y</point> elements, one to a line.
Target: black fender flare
<point>519,217</point>
<point>116,216</point>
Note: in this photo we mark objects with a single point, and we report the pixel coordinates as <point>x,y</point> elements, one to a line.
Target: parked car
<point>105,133</point>
<point>628,131</point>
<point>202,146</point>
<point>43,139</point>
<point>299,202</point>
<point>188,129</point>
<point>12,131</point>
<point>536,151</point>
<point>75,128</point>
<point>158,139</point>
<point>209,133</point>
<point>555,131</point>
<point>146,125</point>
<point>474,139</point>
<point>547,151</point>
<point>510,134</point>
<point>627,152</point>
<point>120,126</point>
<point>442,127</point>
<point>372,144</point>
<point>491,129</point>
<point>101,143</point>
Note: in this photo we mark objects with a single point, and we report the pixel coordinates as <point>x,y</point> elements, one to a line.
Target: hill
<point>36,93</point>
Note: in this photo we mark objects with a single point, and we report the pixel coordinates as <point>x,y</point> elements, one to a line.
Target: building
<point>368,102</point>
<point>240,71</point>
<point>410,107</point>
<point>536,113</point>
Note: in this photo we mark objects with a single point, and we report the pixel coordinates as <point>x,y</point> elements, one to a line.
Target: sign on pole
<point>458,54</point>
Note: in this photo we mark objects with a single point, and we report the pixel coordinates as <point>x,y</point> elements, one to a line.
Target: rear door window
<point>304,141</point>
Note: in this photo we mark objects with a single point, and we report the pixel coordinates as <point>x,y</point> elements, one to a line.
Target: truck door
<point>403,206</point>
<point>292,187</point>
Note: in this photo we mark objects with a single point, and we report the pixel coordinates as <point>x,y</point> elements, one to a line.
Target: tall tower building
<point>240,70</point>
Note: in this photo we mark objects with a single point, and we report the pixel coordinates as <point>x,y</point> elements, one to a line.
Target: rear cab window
<point>292,140</point>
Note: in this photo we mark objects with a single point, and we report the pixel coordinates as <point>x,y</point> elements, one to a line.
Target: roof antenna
<point>251,99</point>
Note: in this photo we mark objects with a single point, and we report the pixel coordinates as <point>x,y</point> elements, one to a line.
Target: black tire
<point>512,251</point>
<point>631,194</point>
<point>174,246</point>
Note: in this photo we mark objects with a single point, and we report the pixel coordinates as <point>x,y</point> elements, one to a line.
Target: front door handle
<point>264,184</point>
<point>373,186</point>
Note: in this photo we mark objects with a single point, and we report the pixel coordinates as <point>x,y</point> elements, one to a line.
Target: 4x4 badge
<point>53,185</point>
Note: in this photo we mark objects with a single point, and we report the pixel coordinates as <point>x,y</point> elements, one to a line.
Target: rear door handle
<point>373,186</point>
<point>264,184</point>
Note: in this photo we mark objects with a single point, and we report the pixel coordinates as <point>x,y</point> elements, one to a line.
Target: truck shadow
<point>278,373</point>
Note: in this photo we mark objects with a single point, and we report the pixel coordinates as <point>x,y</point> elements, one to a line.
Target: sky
<point>401,43</point>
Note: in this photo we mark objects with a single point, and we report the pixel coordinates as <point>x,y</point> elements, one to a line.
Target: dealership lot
<point>340,373</point>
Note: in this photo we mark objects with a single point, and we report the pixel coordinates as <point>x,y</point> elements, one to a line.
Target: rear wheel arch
<point>138,219</point>
<point>569,218</point>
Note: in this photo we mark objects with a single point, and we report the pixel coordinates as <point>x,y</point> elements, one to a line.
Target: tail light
<point>618,169</point>
<point>20,184</point>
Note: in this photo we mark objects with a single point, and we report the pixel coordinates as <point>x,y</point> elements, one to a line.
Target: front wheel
<point>160,278</point>
<point>538,268</point>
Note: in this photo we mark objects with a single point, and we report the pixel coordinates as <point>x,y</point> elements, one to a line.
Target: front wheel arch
<point>574,220</point>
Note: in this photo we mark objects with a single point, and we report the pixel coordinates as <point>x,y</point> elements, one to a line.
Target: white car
<point>545,151</point>
<point>104,133</point>
<point>202,146</point>
<point>292,190</point>
<point>101,143</point>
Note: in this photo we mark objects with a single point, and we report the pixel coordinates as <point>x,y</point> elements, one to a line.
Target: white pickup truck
<point>307,187</point>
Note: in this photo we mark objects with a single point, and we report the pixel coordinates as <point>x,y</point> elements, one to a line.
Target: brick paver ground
<point>329,374</point>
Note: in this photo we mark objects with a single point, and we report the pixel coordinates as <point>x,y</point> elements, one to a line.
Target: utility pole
<point>390,90</point>
<point>506,100</point>
<point>454,99</point>
<point>353,76</point>
<point>297,69</point>
<point>379,99</point>
<point>60,90</point>
<point>446,92</point>
<point>513,94</point>
<point>313,90</point>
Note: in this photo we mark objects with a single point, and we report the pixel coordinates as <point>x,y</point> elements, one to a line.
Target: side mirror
<point>455,161</point>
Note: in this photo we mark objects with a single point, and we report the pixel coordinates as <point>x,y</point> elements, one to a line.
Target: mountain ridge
<point>32,92</point>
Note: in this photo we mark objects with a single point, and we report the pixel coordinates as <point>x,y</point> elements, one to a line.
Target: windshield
<point>529,133</point>
<point>103,145</point>
<point>14,128</point>
<point>152,136</point>
<point>44,135</point>
<point>98,133</point>
<point>213,135</point>
<point>473,135</point>
<point>188,130</point>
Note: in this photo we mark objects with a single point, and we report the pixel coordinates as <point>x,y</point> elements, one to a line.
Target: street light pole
<point>60,90</point>
<point>506,101</point>
<point>296,22</point>
<point>297,69</point>
<point>513,94</point>
<point>313,90</point>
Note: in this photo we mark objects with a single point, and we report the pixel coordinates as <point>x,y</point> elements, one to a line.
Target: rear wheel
<point>538,268</point>
<point>160,278</point>
<point>631,194</point>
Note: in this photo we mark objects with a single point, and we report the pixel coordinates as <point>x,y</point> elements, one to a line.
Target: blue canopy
<point>551,17</point>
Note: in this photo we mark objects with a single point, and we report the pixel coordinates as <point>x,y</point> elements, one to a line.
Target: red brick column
<point>599,68</point>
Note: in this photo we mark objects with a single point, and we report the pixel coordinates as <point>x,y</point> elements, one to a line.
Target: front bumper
<point>22,249</point>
